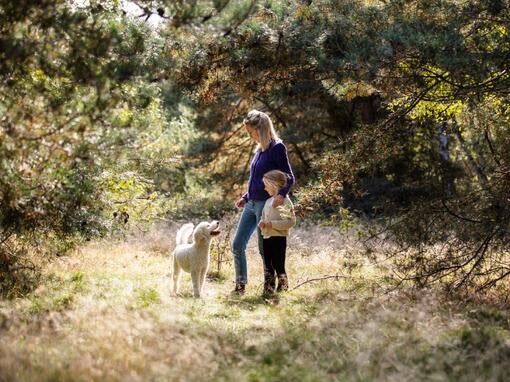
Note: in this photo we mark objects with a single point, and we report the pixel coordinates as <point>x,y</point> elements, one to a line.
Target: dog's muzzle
<point>216,231</point>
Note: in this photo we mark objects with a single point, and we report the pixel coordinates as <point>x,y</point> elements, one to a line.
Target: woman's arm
<point>283,164</point>
<point>240,203</point>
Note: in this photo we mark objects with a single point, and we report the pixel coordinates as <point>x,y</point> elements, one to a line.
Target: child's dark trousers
<point>274,258</point>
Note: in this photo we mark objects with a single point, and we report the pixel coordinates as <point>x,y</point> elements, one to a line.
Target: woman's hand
<point>240,203</point>
<point>278,201</point>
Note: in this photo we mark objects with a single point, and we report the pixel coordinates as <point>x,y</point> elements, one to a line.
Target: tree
<point>77,95</point>
<point>358,90</point>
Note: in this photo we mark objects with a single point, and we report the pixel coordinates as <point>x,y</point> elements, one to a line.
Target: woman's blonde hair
<point>276,177</point>
<point>264,126</point>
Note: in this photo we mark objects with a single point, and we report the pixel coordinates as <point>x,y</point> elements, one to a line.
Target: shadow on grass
<point>251,301</point>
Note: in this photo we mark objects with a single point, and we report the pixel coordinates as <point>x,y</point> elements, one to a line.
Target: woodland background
<point>124,116</point>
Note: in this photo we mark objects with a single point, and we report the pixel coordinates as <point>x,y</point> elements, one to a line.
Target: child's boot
<point>269,283</point>
<point>283,283</point>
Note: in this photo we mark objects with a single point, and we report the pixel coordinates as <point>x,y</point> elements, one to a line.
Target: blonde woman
<point>271,154</point>
<point>275,224</point>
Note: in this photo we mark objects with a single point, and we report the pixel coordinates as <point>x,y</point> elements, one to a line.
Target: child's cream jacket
<point>282,218</point>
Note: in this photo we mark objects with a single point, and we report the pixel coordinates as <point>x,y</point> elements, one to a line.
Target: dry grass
<point>105,313</point>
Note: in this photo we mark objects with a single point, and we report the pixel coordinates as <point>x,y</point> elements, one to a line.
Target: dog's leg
<point>203,272</point>
<point>177,276</point>
<point>195,278</point>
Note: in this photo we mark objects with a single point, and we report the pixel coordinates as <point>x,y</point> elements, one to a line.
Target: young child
<point>275,224</point>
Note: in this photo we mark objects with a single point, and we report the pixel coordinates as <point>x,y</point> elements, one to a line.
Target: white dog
<point>193,257</point>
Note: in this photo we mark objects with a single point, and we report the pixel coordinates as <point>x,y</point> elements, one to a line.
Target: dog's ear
<point>199,235</point>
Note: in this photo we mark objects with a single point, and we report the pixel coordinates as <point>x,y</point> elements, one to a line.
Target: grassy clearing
<point>105,313</point>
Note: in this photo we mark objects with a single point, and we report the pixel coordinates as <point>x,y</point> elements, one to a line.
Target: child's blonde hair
<point>276,177</point>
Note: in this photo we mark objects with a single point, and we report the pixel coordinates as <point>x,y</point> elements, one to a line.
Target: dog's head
<point>204,231</point>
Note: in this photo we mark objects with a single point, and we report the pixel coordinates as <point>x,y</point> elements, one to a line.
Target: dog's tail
<point>184,234</point>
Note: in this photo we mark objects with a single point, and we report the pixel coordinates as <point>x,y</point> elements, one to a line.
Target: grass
<point>105,313</point>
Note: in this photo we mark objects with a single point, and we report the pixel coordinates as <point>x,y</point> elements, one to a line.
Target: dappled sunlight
<point>365,142</point>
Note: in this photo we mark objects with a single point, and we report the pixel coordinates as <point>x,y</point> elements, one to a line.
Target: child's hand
<point>265,224</point>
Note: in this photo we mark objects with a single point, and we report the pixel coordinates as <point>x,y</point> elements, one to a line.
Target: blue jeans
<point>247,224</point>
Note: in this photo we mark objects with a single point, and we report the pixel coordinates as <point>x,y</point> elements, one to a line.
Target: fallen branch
<point>320,279</point>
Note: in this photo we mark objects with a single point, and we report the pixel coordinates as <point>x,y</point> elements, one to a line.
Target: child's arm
<point>287,218</point>
<point>263,218</point>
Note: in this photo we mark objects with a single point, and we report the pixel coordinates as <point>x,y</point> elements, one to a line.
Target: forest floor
<point>105,313</point>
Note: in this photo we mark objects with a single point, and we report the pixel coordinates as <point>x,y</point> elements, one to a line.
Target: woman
<point>271,154</point>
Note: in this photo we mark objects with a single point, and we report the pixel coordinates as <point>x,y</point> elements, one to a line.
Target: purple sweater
<point>274,158</point>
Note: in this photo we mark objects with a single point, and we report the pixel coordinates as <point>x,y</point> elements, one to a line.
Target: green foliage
<point>80,109</point>
<point>359,92</point>
<point>55,131</point>
<point>148,297</point>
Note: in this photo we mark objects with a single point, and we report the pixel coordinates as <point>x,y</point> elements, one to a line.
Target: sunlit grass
<point>106,313</point>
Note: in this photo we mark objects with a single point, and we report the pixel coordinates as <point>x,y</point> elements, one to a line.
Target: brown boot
<point>239,289</point>
<point>283,283</point>
<point>269,284</point>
